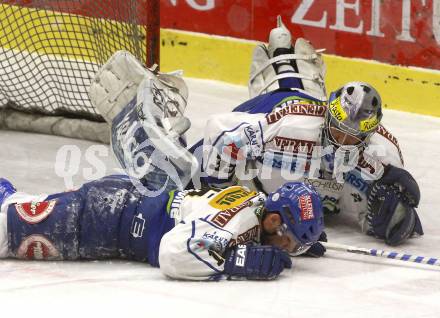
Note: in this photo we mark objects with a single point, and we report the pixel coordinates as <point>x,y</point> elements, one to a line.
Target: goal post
<point>153,32</point>
<point>50,51</point>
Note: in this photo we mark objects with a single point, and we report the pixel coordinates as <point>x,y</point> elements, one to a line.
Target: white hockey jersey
<point>286,145</point>
<point>207,222</point>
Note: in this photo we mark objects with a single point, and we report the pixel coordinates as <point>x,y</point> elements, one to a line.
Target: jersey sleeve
<point>387,147</point>
<point>230,140</point>
<point>354,195</point>
<point>192,250</point>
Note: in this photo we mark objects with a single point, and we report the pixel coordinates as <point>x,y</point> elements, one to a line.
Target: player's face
<point>285,242</point>
<point>272,236</point>
<point>343,138</point>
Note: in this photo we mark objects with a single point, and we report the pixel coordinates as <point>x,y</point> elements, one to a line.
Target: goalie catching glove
<point>391,207</point>
<point>264,262</point>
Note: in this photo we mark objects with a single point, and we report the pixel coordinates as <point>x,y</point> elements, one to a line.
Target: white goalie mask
<point>354,113</point>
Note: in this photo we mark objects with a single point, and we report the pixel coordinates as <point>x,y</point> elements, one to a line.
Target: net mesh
<point>50,51</point>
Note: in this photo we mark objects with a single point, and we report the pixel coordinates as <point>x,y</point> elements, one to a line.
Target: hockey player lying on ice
<point>289,131</point>
<point>205,234</point>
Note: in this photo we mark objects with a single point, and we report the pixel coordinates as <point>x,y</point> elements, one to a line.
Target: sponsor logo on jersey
<point>35,212</point>
<point>223,217</point>
<point>37,247</point>
<point>251,135</point>
<point>357,181</point>
<point>249,235</point>
<point>296,100</point>
<point>306,207</point>
<point>174,203</point>
<point>296,109</point>
<point>328,185</point>
<point>215,241</point>
<point>285,144</point>
<point>231,197</point>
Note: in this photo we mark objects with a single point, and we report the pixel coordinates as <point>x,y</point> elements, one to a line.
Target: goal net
<point>50,51</point>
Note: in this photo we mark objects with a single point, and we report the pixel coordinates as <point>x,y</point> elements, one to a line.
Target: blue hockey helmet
<point>300,208</point>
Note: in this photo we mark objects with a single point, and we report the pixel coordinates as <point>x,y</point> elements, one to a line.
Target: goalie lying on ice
<point>289,131</point>
<point>205,234</point>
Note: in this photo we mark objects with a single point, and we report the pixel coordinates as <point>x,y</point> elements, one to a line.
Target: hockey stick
<point>381,253</point>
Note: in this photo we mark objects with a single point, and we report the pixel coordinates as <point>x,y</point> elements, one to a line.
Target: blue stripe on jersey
<point>373,252</point>
<point>261,131</point>
<point>432,261</point>
<point>193,223</point>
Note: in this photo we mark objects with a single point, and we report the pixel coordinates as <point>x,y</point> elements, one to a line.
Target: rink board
<point>227,59</point>
<point>213,57</point>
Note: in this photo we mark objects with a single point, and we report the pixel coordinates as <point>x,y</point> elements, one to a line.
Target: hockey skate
<point>299,67</point>
<point>6,190</point>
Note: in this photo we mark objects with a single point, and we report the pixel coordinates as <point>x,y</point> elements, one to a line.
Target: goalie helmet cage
<point>50,51</point>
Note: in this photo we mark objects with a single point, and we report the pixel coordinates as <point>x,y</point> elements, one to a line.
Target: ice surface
<point>338,285</point>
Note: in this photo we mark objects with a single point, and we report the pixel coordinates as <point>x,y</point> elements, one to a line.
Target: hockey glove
<point>391,206</point>
<point>264,262</point>
<point>317,249</point>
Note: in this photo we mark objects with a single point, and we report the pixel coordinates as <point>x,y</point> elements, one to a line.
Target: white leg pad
<point>314,68</point>
<point>258,79</point>
<point>116,83</point>
<point>311,70</point>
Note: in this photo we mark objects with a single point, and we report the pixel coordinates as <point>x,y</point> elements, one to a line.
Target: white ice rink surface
<point>338,285</point>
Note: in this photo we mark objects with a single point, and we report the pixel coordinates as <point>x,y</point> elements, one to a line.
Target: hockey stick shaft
<point>380,253</point>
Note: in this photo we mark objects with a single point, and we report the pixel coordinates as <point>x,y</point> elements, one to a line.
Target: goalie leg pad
<point>280,65</point>
<point>147,143</point>
<point>116,83</point>
<point>313,67</point>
